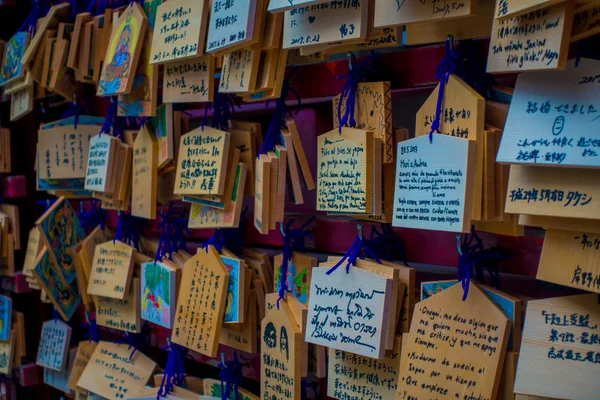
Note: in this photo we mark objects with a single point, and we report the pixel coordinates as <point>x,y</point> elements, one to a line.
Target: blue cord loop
<point>360,248</point>
<point>174,374</point>
<point>223,106</point>
<point>388,247</point>
<point>75,110</point>
<point>217,240</point>
<point>273,135</point>
<point>129,230</point>
<point>46,203</point>
<point>293,240</point>
<point>136,341</point>
<point>92,335</point>
<point>231,376</point>
<point>446,67</point>
<point>172,231</point>
<point>95,216</point>
<point>358,73</point>
<point>111,115</point>
<point>40,8</point>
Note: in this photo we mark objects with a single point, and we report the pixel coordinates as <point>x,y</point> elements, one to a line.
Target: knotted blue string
<point>46,203</point>
<point>358,73</point>
<point>169,222</point>
<point>387,245</point>
<point>231,376</point>
<point>445,68</point>
<point>293,240</point>
<point>174,374</point>
<point>223,106</point>
<point>40,8</point>
<point>273,135</point>
<point>111,114</point>
<point>92,334</point>
<point>129,230</point>
<point>306,384</point>
<point>180,229</point>
<point>75,110</point>
<point>360,248</point>
<point>95,216</point>
<point>101,8</point>
<point>136,341</point>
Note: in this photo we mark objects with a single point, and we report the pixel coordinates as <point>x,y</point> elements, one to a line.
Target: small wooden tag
<point>101,157</point>
<point>85,349</point>
<point>159,293</point>
<point>112,270</point>
<point>262,185</point>
<point>145,174</point>
<point>54,345</point>
<point>12,68</point>
<point>189,81</point>
<point>232,26</point>
<point>122,314</point>
<point>201,303</point>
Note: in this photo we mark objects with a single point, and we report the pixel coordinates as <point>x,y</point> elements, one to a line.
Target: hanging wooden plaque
<point>21,103</point>
<point>349,374</point>
<point>124,314</point>
<point>54,345</point>
<point>560,344</point>
<point>159,293</point>
<point>202,162</point>
<point>33,248</point>
<point>434,183</point>
<point>571,258</point>
<point>243,336</point>
<point>513,8</point>
<point>344,171</point>
<point>554,126</point>
<point>11,67</point>
<point>239,71</point>
<point>231,26</point>
<point>400,12</point>
<point>335,296</point>
<point>562,192</point>
<point>180,31</point>
<point>144,174</point>
<point>112,270</point>
<point>516,47</point>
<point>325,23</point>
<point>112,374</point>
<point>201,303</point>
<point>281,354</point>
<point>586,21</point>
<point>56,13</point>
<point>189,81</point>
<point>7,350</point>
<point>262,185</point>
<point>100,159</point>
<point>123,52</point>
<point>277,6</point>
<point>58,380</point>
<point>85,349</point>
<point>455,348</point>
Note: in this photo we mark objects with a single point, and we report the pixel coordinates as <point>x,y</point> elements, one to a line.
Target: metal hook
<point>349,55</point>
<point>458,246</point>
<point>281,229</point>
<point>223,359</point>
<point>360,235</point>
<point>450,40</point>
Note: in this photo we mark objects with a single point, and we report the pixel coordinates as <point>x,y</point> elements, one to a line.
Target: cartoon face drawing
<point>283,346</point>
<point>270,336</point>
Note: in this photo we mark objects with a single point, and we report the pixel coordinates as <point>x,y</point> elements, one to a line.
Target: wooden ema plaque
<point>455,348</point>
<point>58,380</point>
<point>201,303</point>
<point>189,80</point>
<point>123,52</point>
<point>281,354</point>
<point>560,353</point>
<point>12,69</point>
<point>373,113</point>
<point>325,23</point>
<point>388,13</point>
<point>339,296</point>
<point>513,8</point>
<point>202,162</point>
<point>159,292</point>
<point>571,258</point>
<point>462,114</point>
<point>103,149</point>
<point>54,345</point>
<point>233,26</point>
<point>180,30</point>
<point>344,171</point>
<point>243,336</point>
<point>112,270</point>
<point>277,6</point>
<point>85,349</point>
<point>123,315</point>
<point>586,21</point>
<point>557,192</point>
<point>350,375</point>
<point>144,174</point>
<point>554,126</point>
<point>434,184</point>
<point>113,375</point>
<point>535,41</point>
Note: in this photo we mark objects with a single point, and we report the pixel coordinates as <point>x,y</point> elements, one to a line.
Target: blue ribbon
<point>293,240</point>
<point>272,137</point>
<point>217,240</point>
<point>46,203</point>
<point>358,73</point>
<point>172,229</point>
<point>92,335</point>
<point>75,110</point>
<point>231,376</point>
<point>93,217</point>
<point>174,374</point>
<point>40,8</point>
<point>129,229</point>
<point>223,106</point>
<point>388,245</point>
<point>111,115</point>
<point>445,68</point>
<point>136,341</point>
<point>360,248</point>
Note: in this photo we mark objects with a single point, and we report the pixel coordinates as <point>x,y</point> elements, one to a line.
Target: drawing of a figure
<point>11,65</point>
<point>283,343</point>
<point>116,71</point>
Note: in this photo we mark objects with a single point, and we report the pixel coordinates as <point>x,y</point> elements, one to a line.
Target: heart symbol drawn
<point>311,19</point>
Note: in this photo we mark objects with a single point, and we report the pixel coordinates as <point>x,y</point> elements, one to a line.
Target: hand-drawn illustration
<point>283,343</point>
<point>232,311</point>
<point>270,336</point>
<point>13,52</point>
<point>120,60</point>
<point>5,317</point>
<point>157,293</point>
<point>297,281</point>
